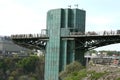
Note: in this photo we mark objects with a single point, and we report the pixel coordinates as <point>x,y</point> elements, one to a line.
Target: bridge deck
<point>70,35</point>
<point>45,37</point>
<point>87,41</point>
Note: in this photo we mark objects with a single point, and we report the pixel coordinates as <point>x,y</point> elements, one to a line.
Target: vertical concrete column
<point>53,45</point>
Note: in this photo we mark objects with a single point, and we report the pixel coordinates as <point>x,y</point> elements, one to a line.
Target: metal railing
<point>117,32</point>
<point>28,35</point>
<point>44,34</point>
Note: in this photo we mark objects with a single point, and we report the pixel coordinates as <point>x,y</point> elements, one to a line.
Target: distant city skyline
<point>29,16</point>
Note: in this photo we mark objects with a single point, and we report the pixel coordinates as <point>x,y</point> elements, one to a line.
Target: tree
<point>71,68</point>
<point>11,78</point>
<point>28,64</point>
<point>40,67</point>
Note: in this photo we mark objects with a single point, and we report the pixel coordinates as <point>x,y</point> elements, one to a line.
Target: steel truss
<point>86,42</point>
<point>92,42</point>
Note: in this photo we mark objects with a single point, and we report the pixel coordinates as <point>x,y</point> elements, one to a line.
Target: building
<point>8,48</point>
<point>59,53</point>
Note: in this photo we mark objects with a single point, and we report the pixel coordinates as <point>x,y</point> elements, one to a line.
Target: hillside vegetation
<point>29,68</point>
<point>75,71</point>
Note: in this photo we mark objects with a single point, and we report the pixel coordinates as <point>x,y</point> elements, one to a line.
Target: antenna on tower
<point>76,5</point>
<point>69,6</point>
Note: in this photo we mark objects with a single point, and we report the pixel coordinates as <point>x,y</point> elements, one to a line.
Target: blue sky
<point>29,16</point>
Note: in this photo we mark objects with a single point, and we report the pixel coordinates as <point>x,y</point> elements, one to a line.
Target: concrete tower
<point>60,52</point>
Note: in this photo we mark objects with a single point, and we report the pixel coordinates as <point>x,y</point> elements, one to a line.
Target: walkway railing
<point>117,32</point>
<point>44,34</point>
<point>28,36</point>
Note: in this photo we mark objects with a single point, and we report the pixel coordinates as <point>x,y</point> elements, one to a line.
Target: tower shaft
<point>59,53</point>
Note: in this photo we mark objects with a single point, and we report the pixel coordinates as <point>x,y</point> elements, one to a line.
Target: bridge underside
<point>86,42</point>
<point>92,42</point>
<point>31,43</point>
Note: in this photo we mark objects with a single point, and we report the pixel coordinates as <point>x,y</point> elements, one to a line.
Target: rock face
<point>112,72</point>
<point>111,76</point>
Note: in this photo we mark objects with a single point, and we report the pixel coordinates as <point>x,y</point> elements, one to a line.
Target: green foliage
<point>75,66</point>
<point>77,75</point>
<point>110,53</point>
<point>118,79</point>
<point>14,73</point>
<point>95,75</point>
<point>72,68</point>
<point>75,71</point>
<point>26,77</point>
<point>11,78</point>
<point>29,68</point>
<point>32,78</point>
<point>2,65</point>
<point>28,64</point>
<point>83,73</point>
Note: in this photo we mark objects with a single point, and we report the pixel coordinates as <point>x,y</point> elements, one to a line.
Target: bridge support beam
<point>79,56</point>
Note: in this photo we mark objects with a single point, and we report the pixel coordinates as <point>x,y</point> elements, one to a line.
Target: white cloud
<point>112,47</point>
<point>16,19</point>
<point>99,20</point>
<point>100,23</point>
